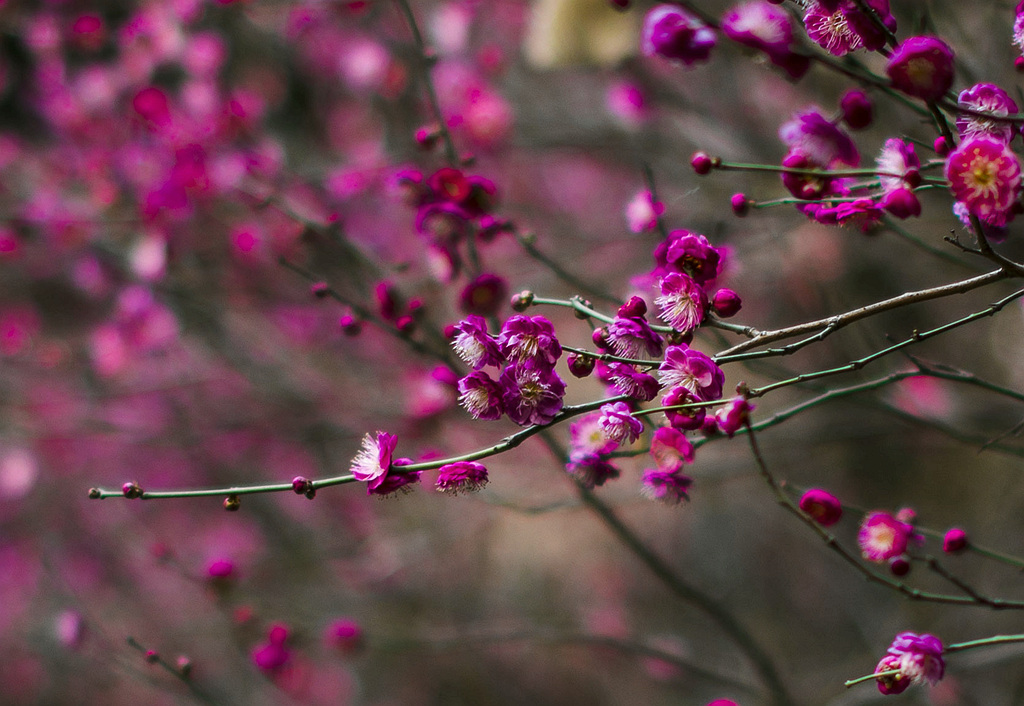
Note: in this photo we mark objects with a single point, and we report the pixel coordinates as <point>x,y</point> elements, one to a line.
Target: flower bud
<point>131,490</point>
<point>740,205</point>
<point>580,365</point>
<point>899,566</point>
<point>857,110</point>
<point>522,301</point>
<point>635,308</point>
<point>702,163</point>
<point>320,290</point>
<point>232,503</point>
<point>942,147</point>
<point>726,303</point>
<point>350,325</point>
<point>954,541</point>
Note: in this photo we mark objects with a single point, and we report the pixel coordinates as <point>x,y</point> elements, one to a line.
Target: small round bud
<point>600,338</point>
<point>320,290</point>
<point>95,494</point>
<point>300,484</point>
<point>1018,64</point>
<point>740,205</point>
<point>522,301</point>
<point>580,365</point>
<point>635,308</point>
<point>701,163</point>
<point>726,303</point>
<point>350,325</point>
<point>899,566</point>
<point>344,635</point>
<point>582,315</point>
<point>954,541</point>
<point>857,110</point>
<point>405,324</point>
<point>942,146</point>
<point>426,137</point>
<point>232,503</point>
<point>131,490</point>
<point>151,656</point>
<point>184,665</point>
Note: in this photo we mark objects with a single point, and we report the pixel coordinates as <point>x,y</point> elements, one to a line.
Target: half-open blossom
<point>985,176</point>
<point>823,507</point>
<point>461,476</point>
<point>673,33</point>
<point>627,380</point>
<point>989,98</point>
<point>682,301</point>
<point>726,303</point>
<point>916,658</point>
<point>921,67</point>
<point>667,486</point>
<point>374,458</point>
<point>670,449</point>
<point>897,165</point>
<point>618,423</point>
<point>733,416</point>
<point>481,396</point>
<point>882,536</point>
<point>688,418</point>
<point>631,336</point>
<point>474,345</point>
<point>531,395</point>
<point>816,137</point>
<point>693,370</point>
<point>395,479</point>
<point>689,253</point>
<point>530,340</point>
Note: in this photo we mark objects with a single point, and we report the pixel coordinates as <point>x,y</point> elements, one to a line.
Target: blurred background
<point>158,163</point>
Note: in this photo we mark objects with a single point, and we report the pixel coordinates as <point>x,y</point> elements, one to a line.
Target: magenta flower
<point>693,370</point>
<point>689,253</point>
<point>591,470</point>
<point>897,165</point>
<point>531,395</point>
<point>882,537</point>
<point>373,460</point>
<point>682,301</point>
<point>531,340</point>
<point>841,27</point>
<point>484,295</point>
<point>670,449</point>
<point>733,416</point>
<point>759,25</point>
<point>921,67</point>
<point>823,143</point>
<point>917,658</point>
<point>618,423</point>
<point>985,176</point>
<point>823,507</point>
<point>627,380</point>
<point>863,213</point>
<point>395,479</point>
<point>667,486</point>
<point>481,396</point>
<point>587,437</point>
<point>673,33</point>
<point>685,419</point>
<point>804,186</point>
<point>642,212</point>
<point>461,476</point>
<point>631,336</point>
<point>989,98</point>
<point>474,345</point>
